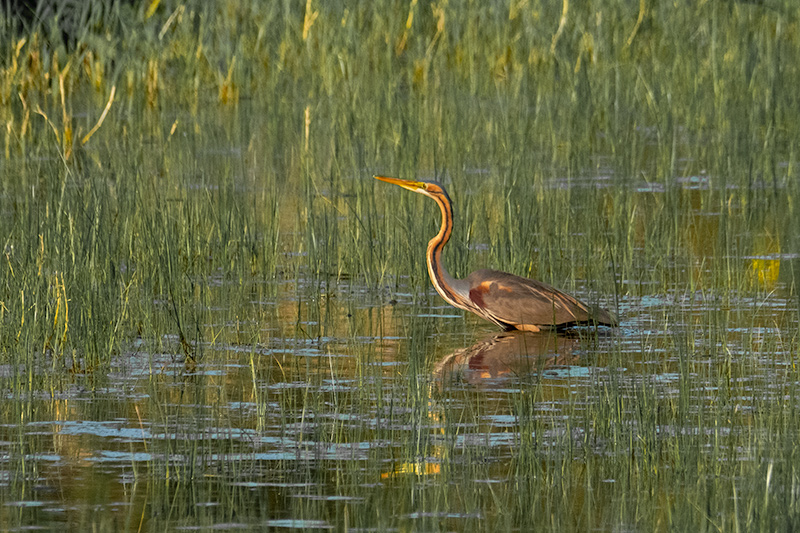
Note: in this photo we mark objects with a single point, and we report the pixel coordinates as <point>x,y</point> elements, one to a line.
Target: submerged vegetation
<point>197,261</point>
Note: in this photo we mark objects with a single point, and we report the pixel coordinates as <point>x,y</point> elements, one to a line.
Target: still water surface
<point>330,419</point>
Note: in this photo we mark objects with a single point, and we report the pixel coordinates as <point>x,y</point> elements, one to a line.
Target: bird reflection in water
<point>508,355</point>
<point>490,362</point>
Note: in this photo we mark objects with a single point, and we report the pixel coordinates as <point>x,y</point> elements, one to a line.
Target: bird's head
<point>428,188</point>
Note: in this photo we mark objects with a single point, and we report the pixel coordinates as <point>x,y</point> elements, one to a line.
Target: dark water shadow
<point>508,355</point>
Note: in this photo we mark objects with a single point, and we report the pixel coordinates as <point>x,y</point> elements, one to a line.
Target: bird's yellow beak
<point>406,184</point>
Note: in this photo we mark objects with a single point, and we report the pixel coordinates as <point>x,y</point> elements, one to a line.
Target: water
<point>313,431</point>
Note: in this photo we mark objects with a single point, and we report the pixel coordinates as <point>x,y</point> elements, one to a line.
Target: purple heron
<point>511,302</point>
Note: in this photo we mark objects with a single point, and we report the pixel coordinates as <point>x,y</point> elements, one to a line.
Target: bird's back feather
<point>512,301</point>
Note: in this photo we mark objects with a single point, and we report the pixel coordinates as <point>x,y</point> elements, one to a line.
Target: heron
<point>512,302</point>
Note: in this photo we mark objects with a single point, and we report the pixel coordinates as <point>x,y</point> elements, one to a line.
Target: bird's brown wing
<point>513,301</point>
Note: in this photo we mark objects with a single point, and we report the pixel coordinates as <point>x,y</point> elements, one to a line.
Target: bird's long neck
<point>444,284</point>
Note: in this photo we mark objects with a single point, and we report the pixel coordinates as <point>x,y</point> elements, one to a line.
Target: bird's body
<point>511,302</point>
